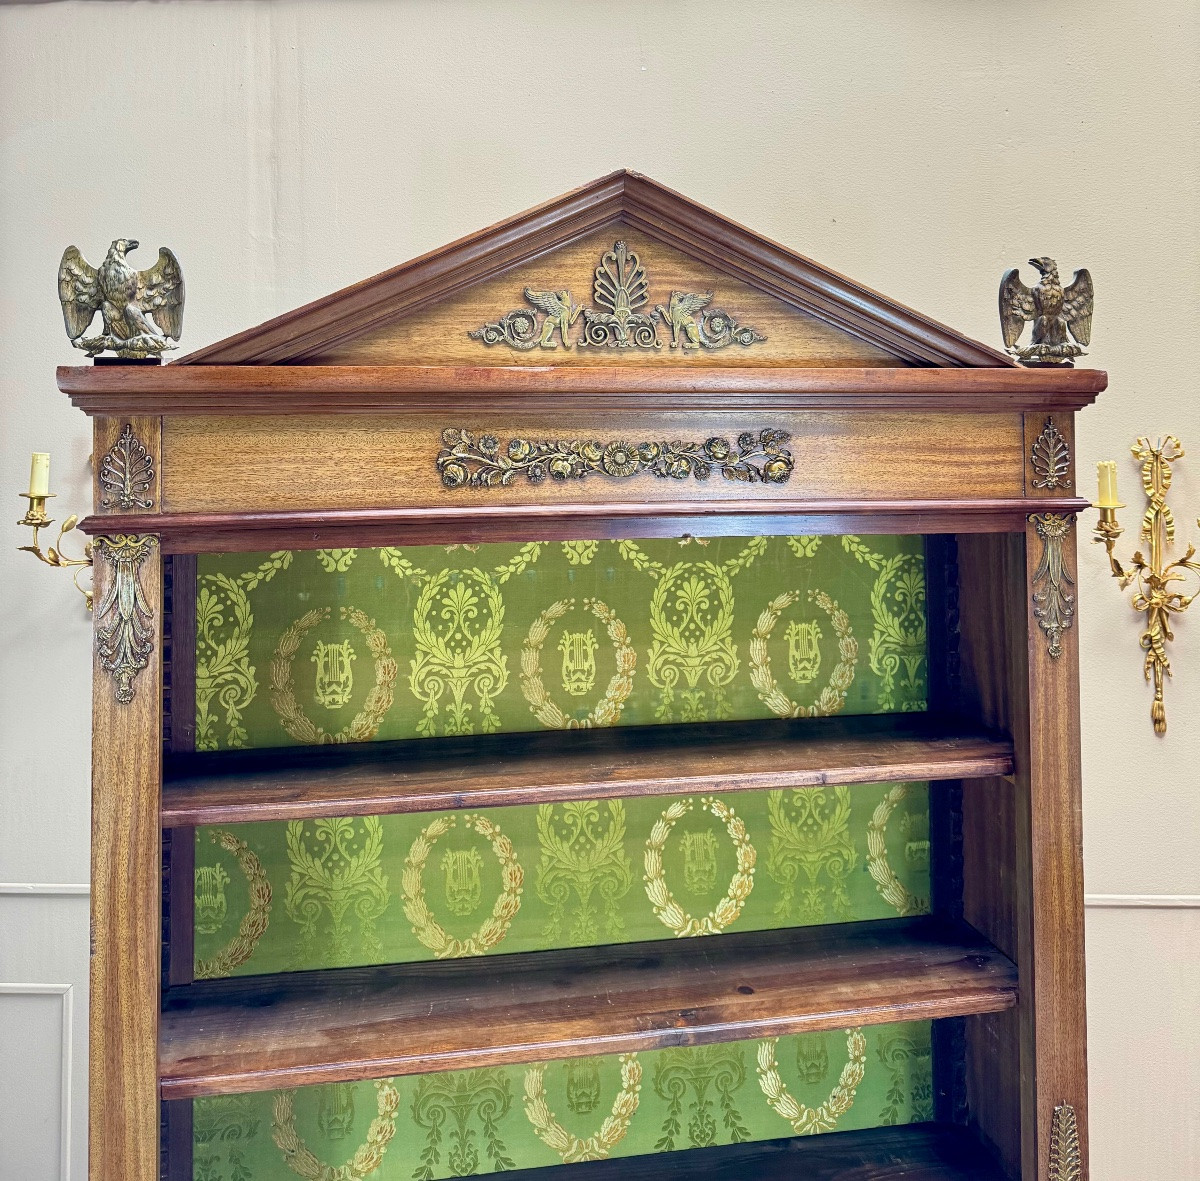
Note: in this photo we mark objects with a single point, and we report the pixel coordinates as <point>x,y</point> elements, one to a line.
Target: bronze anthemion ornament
<point>1050,456</point>
<point>124,617</point>
<point>1062,316</point>
<point>620,289</point>
<point>124,297</point>
<point>1066,1159</point>
<point>126,473</point>
<point>1053,603</point>
<point>484,463</point>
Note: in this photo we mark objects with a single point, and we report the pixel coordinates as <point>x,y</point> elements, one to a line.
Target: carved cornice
<point>127,473</point>
<point>124,618</point>
<point>484,463</point>
<point>1053,603</point>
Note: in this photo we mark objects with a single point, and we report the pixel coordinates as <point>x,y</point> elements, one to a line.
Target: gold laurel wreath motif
<point>494,928</point>
<point>367,1157</point>
<point>893,890</point>
<point>254,922</point>
<point>668,911</point>
<point>366,722</point>
<point>807,1121</point>
<point>608,709</point>
<point>614,1129</point>
<point>833,696</point>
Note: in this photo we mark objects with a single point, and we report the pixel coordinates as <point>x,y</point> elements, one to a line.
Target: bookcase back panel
<point>463,1123</point>
<point>278,897</point>
<point>329,646</point>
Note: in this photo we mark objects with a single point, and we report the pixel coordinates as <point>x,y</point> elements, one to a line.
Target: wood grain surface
<point>126,908</point>
<point>290,1030</point>
<point>433,774</point>
<point>623,198</point>
<point>174,390</point>
<point>252,531</point>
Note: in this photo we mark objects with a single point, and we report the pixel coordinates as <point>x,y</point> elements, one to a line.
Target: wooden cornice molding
<point>251,531</point>
<point>659,212</point>
<point>355,389</point>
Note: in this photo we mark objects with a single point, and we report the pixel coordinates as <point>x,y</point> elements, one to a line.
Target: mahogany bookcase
<point>327,427</point>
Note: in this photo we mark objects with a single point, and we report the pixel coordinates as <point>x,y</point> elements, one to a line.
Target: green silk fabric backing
<point>463,1123</point>
<point>350,645</point>
<point>307,647</point>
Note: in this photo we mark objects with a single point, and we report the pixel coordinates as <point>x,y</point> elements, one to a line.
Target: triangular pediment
<point>622,271</point>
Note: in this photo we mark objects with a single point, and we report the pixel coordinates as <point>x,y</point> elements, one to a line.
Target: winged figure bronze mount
<point>620,289</point>
<point>1062,316</point>
<point>125,299</point>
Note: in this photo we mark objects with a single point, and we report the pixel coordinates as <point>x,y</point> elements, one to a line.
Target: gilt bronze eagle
<point>1062,316</point>
<point>125,298</point>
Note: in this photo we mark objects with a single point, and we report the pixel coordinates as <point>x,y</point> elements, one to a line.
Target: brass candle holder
<point>35,517</point>
<point>1156,585</point>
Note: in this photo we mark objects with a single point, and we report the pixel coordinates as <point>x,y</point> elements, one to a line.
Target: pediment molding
<point>632,202</point>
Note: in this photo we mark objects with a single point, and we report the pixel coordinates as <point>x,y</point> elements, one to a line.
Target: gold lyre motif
<point>804,651</point>
<point>210,901</point>
<point>461,873</point>
<point>699,860</point>
<point>335,677</point>
<point>583,1085</point>
<point>335,1110</point>
<point>1153,578</point>
<point>578,661</point>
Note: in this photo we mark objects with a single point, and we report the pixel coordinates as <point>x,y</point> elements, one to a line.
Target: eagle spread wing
<point>1077,306</point>
<point>160,292</point>
<point>685,303</point>
<point>546,301</point>
<point>1016,306</point>
<point>78,291</point>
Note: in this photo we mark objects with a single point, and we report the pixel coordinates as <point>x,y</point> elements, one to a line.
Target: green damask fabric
<point>276,897</point>
<point>326,646</point>
<point>490,1120</point>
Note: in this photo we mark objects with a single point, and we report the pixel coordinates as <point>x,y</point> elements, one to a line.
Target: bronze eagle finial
<point>1062,316</point>
<point>124,297</point>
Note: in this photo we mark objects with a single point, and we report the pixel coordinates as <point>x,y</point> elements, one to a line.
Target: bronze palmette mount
<point>1066,1156</point>
<point>620,290</point>
<point>126,473</point>
<point>1053,601</point>
<point>124,616</point>
<point>1050,456</point>
<point>757,457</point>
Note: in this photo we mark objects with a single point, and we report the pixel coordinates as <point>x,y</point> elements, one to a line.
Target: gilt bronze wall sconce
<point>35,517</point>
<point>1156,585</point>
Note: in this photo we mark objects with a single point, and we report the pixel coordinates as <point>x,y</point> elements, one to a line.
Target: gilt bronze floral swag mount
<point>483,462</point>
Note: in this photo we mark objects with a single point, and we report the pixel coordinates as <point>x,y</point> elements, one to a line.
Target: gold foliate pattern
<point>810,836</point>
<point>613,1130</point>
<point>727,910</point>
<point>126,473</point>
<point>890,887</point>
<point>256,919</point>
<point>366,1158</point>
<point>607,711</point>
<point>1066,1158</point>
<point>336,869</point>
<point>832,698</point>
<point>1050,457</point>
<point>758,456</point>
<point>620,288</point>
<point>807,1121</point>
<point>283,691</point>
<point>493,929</point>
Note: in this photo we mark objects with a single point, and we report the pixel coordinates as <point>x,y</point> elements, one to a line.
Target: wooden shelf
<point>261,1033</point>
<point>433,774</point>
<point>919,1152</point>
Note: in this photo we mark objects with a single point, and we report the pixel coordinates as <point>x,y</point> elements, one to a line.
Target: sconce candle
<point>39,474</point>
<point>1107,473</point>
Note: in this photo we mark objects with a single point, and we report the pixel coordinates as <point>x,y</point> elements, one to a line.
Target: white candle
<point>39,474</point>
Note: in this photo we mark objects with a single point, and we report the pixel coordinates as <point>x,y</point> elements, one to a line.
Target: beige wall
<point>921,146</point>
